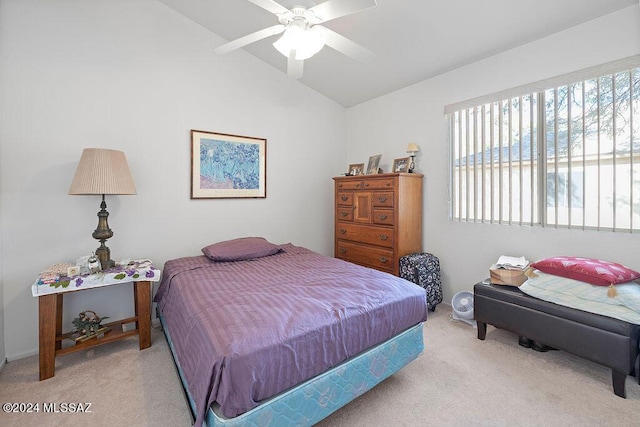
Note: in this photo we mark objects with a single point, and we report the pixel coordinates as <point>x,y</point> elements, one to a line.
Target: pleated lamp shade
<point>102,171</point>
<point>412,148</point>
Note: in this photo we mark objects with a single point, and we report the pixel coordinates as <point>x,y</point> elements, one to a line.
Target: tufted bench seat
<point>604,340</point>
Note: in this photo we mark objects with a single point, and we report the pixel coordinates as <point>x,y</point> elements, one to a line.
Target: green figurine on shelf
<point>88,325</point>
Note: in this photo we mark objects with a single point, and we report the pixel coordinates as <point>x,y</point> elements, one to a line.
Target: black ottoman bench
<point>604,340</point>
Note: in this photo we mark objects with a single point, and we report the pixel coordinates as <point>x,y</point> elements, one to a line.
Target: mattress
<point>246,331</point>
<point>624,305</point>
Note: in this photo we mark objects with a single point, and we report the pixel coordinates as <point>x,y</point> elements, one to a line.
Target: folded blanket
<point>625,305</point>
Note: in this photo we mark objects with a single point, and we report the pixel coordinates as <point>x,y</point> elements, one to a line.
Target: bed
<point>285,338</point>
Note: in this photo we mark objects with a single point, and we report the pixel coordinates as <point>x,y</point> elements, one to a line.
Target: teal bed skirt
<point>315,399</point>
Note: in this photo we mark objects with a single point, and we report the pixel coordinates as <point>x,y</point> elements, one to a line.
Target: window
<point>576,192</point>
<point>568,156</point>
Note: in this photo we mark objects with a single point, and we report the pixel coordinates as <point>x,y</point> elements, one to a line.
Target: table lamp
<point>101,171</point>
<point>412,149</point>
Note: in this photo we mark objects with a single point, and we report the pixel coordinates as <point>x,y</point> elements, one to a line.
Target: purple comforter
<point>245,331</point>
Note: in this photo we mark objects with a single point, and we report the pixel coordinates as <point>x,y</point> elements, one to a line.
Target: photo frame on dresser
<point>225,166</point>
<point>372,167</point>
<point>401,164</point>
<point>356,169</point>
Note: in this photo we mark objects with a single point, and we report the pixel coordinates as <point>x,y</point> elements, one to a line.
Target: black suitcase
<point>423,269</point>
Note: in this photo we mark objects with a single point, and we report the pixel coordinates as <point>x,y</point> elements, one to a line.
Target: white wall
<point>3,356</point>
<point>387,124</point>
<point>134,75</point>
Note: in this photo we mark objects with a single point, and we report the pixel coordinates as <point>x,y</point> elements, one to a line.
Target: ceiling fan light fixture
<point>305,40</point>
<point>302,35</point>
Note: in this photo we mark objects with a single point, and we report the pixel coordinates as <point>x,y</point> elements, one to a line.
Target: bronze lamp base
<point>102,233</point>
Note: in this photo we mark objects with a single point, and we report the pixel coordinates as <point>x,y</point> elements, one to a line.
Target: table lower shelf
<point>116,332</point>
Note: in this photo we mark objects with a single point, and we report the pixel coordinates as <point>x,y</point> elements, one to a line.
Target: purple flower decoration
<point>130,272</point>
<point>149,274</point>
<point>79,282</point>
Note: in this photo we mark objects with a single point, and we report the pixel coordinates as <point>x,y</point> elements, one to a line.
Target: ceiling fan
<point>303,36</point>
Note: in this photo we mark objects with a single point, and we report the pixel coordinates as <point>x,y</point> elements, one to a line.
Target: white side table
<point>141,273</point>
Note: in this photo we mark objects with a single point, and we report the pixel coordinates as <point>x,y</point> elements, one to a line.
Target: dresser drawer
<point>344,213</point>
<point>379,258</point>
<point>383,199</point>
<point>379,236</point>
<point>349,185</point>
<point>344,198</point>
<point>379,184</point>
<point>383,216</point>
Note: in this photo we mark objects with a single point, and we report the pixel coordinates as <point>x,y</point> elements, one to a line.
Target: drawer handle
<point>366,184</point>
<point>344,213</point>
<point>382,217</point>
<point>358,185</point>
<point>343,251</point>
<point>339,185</point>
<point>344,198</point>
<point>382,199</point>
<point>383,259</point>
<point>342,231</point>
<point>383,237</point>
<point>388,184</point>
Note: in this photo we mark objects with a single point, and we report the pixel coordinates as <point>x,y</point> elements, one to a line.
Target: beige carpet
<point>458,381</point>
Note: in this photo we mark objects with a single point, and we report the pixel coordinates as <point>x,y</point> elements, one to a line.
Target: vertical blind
<point>565,153</point>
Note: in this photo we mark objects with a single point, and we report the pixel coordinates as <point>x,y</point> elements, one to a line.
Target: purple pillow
<point>240,249</point>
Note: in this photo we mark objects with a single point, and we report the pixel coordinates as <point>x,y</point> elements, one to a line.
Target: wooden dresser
<point>378,219</point>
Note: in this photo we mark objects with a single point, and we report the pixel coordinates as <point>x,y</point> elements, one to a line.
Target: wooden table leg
<point>49,321</point>
<point>142,298</point>
<point>58,320</point>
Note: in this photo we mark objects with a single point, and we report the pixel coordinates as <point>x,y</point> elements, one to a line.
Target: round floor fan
<point>462,307</point>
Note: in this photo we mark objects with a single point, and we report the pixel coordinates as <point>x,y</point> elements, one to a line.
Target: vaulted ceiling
<point>413,40</point>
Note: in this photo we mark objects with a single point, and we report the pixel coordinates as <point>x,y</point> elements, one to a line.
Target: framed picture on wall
<point>401,164</point>
<point>227,166</point>
<point>372,167</point>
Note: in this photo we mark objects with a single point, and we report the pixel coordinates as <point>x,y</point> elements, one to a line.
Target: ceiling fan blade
<point>332,9</point>
<point>347,47</point>
<point>270,5</point>
<point>295,67</point>
<point>249,38</point>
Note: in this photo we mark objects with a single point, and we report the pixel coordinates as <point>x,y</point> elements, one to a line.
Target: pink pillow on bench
<point>594,271</point>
